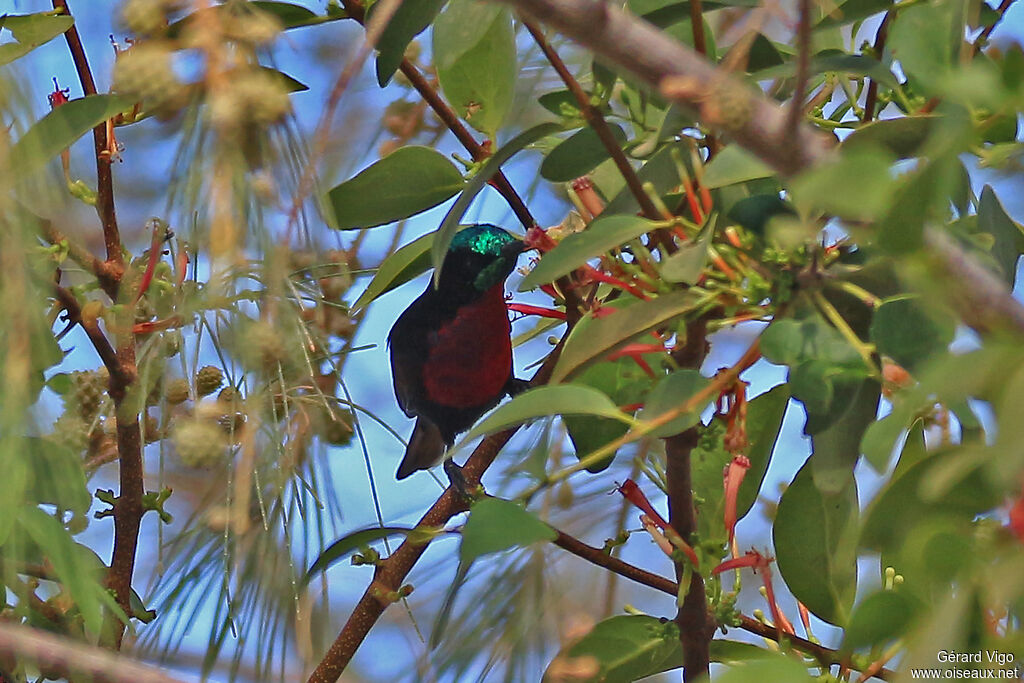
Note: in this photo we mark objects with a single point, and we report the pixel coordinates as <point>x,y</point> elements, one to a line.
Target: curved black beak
<point>513,249</point>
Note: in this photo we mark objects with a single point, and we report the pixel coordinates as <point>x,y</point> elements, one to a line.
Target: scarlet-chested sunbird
<point>451,349</point>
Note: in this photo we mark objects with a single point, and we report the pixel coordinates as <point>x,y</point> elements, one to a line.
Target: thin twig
<point>697,24</point>
<point>597,123</point>
<point>104,177</point>
<point>987,31</point>
<point>803,67</point>
<point>99,340</point>
<point>105,275</point>
<point>871,99</point>
<point>70,659</point>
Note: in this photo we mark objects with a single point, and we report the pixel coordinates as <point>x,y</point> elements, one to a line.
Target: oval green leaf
<point>629,647</point>
<point>560,399</point>
<point>670,394</point>
<point>815,538</point>
<point>30,31</point>
<point>578,155</point>
<point>732,165</point>
<point>409,20</point>
<point>475,55</point>
<point>495,524</point>
<point>398,268</point>
<point>406,182</point>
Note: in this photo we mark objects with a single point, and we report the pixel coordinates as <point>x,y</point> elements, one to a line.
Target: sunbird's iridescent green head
<point>480,256</point>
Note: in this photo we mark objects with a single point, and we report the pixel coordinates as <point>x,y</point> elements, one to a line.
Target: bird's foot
<point>458,480</point>
<point>517,386</point>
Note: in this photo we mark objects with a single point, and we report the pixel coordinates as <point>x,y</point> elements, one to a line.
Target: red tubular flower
<point>805,617</point>
<point>595,274</point>
<point>759,562</point>
<point>733,475</point>
<point>159,234</point>
<point>1016,524</point>
<point>634,495</point>
<point>59,95</point>
<point>527,309</point>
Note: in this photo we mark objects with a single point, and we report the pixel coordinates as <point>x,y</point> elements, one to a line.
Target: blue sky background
<point>389,654</point>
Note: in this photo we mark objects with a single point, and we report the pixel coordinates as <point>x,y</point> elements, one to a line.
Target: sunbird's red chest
<point>470,356</point>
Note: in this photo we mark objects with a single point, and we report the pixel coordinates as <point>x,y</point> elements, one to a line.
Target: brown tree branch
<point>987,31</point>
<point>871,99</point>
<point>685,77</point>
<point>390,573</point>
<point>599,557</point>
<point>107,354</point>
<point>803,67</point>
<point>104,177</point>
<point>596,121</point>
<point>105,275</point>
<point>63,657</point>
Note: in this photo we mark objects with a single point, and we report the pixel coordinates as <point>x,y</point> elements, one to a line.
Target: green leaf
<point>409,20</point>
<point>495,524</point>
<point>864,175</point>
<point>290,15</point>
<point>851,11</point>
<point>404,264</point>
<point>669,394</point>
<point>836,436</point>
<point>30,31</point>
<point>349,543</point>
<point>561,103</point>
<point>815,545</point>
<point>625,383</point>
<point>57,476</point>
<point>82,579</point>
<point>903,329</point>
<point>660,171</point>
<point>594,338</point>
<point>926,39</point>
<point>475,56</point>
<point>880,617</point>
<point>920,197</point>
<point>578,155</point>
<point>406,182</point>
<point>915,498</point>
<point>732,165</point>
<point>450,224</point>
<point>905,137</point>
<point>764,420</point>
<point>791,342</point>
<point>629,647</point>
<point>59,129</point>
<point>687,264</point>
<point>556,399</point>
<point>772,667</point>
<point>1008,238</point>
<point>755,212</point>
<point>607,232</point>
